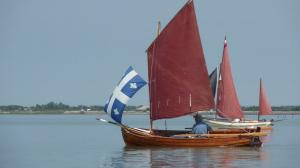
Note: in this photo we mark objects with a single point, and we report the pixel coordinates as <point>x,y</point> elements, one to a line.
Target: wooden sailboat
<point>178,86</point>
<point>228,106</point>
<point>140,137</point>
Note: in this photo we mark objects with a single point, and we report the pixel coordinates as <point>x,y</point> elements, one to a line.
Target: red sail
<point>228,105</point>
<point>178,78</point>
<point>264,106</point>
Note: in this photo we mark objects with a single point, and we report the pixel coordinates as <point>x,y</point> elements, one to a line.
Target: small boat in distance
<point>179,85</point>
<point>264,105</point>
<point>227,102</point>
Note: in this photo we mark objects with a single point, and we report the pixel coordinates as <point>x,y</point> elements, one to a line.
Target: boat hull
<point>138,137</point>
<point>265,125</point>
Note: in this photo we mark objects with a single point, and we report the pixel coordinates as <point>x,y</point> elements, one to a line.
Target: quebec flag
<point>130,83</point>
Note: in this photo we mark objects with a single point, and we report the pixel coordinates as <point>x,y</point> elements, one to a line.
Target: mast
<point>258,115</point>
<point>151,121</point>
<point>217,86</point>
<point>216,94</point>
<point>158,28</point>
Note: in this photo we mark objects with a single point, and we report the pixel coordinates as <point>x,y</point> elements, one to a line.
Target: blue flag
<point>130,83</point>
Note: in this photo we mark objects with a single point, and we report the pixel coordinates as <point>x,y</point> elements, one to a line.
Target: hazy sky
<point>75,51</point>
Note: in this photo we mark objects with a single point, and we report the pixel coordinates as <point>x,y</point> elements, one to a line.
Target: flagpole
<point>151,121</point>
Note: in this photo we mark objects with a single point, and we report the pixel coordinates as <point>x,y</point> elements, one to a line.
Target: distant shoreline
<point>125,113</point>
<point>61,108</point>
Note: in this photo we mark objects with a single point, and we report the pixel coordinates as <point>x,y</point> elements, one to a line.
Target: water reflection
<point>224,157</point>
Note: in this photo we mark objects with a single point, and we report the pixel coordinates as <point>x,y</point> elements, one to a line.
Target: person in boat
<point>200,127</point>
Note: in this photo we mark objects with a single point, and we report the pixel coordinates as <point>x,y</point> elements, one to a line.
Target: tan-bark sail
<point>178,77</point>
<point>264,105</point>
<point>228,105</point>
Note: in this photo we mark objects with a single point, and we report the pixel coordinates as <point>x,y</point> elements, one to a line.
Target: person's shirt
<point>201,128</point>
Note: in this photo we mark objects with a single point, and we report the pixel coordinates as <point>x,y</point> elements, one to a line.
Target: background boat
<point>227,103</point>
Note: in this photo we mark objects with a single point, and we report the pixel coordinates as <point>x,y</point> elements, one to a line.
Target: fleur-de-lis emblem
<point>116,112</point>
<point>133,85</point>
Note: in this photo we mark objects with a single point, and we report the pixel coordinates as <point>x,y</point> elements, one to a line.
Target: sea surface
<point>80,141</point>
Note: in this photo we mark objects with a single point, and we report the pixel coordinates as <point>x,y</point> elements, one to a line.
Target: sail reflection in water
<point>187,157</point>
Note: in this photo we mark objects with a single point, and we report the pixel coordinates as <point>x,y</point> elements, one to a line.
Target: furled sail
<point>213,78</point>
<point>228,105</point>
<point>264,105</point>
<point>178,77</point>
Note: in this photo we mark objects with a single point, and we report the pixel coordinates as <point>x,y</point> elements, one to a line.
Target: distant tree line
<point>53,106</point>
<point>274,108</point>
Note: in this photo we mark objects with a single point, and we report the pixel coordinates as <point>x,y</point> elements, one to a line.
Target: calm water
<point>70,141</point>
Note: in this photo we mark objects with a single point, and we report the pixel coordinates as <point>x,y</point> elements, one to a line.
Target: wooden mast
<point>216,94</point>
<point>217,86</point>
<point>158,28</point>
<point>259,99</point>
<point>157,33</point>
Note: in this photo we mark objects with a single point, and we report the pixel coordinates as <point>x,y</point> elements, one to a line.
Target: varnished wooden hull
<point>137,137</point>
